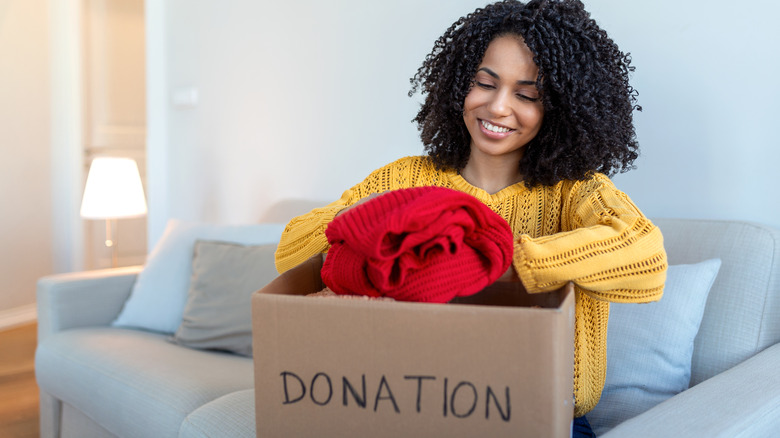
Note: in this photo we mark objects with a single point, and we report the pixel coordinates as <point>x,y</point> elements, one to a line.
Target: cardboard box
<point>499,363</point>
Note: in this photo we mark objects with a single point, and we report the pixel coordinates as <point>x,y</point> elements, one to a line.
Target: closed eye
<point>485,86</point>
<point>527,98</point>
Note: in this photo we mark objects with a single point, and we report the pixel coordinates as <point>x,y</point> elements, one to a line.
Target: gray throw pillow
<point>159,294</point>
<point>218,313</point>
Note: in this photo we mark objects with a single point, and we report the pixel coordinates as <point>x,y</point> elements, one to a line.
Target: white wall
<point>303,99</point>
<point>25,182</point>
<point>707,77</point>
<point>296,99</point>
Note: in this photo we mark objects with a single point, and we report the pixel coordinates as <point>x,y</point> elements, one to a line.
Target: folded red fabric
<point>426,244</point>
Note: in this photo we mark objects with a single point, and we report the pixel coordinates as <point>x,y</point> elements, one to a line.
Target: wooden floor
<point>18,390</point>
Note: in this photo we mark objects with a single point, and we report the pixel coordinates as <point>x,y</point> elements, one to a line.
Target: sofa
<point>98,379</point>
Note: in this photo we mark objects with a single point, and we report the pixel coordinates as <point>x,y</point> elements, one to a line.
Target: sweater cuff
<point>521,264</point>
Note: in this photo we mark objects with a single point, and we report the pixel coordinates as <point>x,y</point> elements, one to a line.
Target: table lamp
<point>113,191</point>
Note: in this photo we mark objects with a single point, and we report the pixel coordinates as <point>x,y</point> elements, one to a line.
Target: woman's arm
<point>611,251</point>
<point>304,236</point>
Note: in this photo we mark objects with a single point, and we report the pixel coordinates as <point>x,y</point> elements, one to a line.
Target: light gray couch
<point>100,381</point>
<point>735,384</point>
<point>96,380</point>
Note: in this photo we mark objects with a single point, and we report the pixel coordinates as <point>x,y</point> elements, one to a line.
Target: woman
<point>528,108</point>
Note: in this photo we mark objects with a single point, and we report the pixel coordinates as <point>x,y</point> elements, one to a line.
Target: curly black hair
<point>583,82</point>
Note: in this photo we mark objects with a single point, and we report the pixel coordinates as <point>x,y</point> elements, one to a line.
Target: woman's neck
<point>491,173</point>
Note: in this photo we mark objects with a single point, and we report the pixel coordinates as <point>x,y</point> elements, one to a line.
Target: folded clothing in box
<point>427,244</point>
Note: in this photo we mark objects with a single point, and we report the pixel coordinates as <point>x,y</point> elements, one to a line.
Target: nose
<point>499,103</point>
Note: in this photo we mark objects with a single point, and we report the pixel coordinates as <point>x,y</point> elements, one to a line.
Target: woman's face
<point>503,111</point>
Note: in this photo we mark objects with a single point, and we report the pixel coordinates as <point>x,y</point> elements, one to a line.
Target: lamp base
<point>111,241</point>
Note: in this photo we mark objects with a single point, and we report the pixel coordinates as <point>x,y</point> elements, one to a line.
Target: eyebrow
<point>495,75</point>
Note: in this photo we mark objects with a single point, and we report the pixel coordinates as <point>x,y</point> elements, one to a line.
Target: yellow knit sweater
<point>587,232</point>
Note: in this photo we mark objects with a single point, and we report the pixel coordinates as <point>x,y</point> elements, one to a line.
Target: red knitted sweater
<point>427,244</point>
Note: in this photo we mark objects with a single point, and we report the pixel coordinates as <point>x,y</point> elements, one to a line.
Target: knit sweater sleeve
<point>304,235</point>
<point>608,248</point>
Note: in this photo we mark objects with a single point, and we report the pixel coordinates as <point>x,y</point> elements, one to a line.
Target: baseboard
<point>18,316</point>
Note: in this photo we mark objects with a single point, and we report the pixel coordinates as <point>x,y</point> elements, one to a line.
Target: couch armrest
<point>743,401</point>
<point>82,299</point>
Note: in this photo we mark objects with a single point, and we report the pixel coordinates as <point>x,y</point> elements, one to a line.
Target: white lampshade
<point>113,190</point>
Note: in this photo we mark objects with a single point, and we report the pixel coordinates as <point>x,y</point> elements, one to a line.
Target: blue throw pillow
<point>650,346</point>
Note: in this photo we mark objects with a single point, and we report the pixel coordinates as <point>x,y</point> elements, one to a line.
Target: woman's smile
<point>495,130</point>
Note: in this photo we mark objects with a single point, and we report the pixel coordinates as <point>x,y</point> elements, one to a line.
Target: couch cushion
<point>231,415</point>
<point>742,316</point>
<point>133,383</point>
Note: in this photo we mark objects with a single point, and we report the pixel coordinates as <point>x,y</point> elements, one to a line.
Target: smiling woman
<point>528,109</point>
<point>582,81</point>
<point>502,113</point>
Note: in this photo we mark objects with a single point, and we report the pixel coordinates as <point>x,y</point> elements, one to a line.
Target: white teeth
<point>493,128</point>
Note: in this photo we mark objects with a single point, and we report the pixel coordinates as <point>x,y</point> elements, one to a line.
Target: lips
<point>493,130</point>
